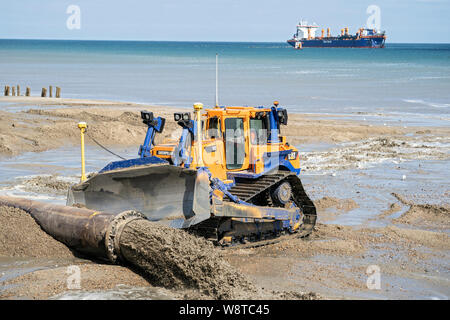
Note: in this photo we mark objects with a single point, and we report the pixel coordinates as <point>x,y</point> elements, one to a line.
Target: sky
<point>405,21</point>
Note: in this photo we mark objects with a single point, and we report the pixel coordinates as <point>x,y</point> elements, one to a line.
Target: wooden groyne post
<point>15,91</point>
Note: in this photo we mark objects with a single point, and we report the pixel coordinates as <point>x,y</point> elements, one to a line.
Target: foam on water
<point>431,104</point>
<point>375,151</point>
<point>62,164</point>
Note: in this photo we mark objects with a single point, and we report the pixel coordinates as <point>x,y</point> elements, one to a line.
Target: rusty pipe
<point>88,231</point>
<point>130,237</point>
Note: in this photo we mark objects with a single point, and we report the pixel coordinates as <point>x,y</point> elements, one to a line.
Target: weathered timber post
<point>44,92</point>
<point>58,92</point>
<point>13,91</point>
<point>27,92</point>
<point>18,90</point>
<point>6,90</point>
<point>50,89</point>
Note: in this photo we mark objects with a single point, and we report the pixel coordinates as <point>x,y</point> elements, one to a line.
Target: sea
<point>401,81</point>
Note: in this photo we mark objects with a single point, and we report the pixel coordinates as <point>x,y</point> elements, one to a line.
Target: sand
<point>119,124</point>
<point>331,263</point>
<point>46,184</point>
<point>343,205</point>
<point>412,249</point>
<point>21,236</point>
<point>175,259</point>
<point>334,262</point>
<point>374,150</point>
<point>177,264</point>
<point>329,208</point>
<point>44,284</point>
<point>424,215</point>
<point>393,208</point>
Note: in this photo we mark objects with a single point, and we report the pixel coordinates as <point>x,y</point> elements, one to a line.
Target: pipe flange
<point>114,230</point>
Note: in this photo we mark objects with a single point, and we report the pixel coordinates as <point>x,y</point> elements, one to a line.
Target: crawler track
<point>260,232</point>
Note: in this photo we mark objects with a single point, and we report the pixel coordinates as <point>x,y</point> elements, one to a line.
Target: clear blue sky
<point>224,20</point>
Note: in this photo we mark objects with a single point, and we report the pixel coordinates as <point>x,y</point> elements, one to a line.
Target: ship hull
<point>370,42</point>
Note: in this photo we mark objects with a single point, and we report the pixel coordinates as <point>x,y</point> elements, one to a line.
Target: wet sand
<point>382,196</point>
<point>45,123</point>
<point>172,265</point>
<point>331,264</point>
<point>21,237</point>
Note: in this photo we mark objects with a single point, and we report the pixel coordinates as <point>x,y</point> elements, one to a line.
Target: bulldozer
<point>230,177</point>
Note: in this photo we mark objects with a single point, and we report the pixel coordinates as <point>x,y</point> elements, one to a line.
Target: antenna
<point>217,80</point>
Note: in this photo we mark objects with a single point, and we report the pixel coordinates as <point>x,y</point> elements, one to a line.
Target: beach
<point>381,189</point>
<point>372,130</point>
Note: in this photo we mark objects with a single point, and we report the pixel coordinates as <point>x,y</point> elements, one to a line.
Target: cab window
<point>234,143</point>
<point>214,130</point>
<point>258,132</point>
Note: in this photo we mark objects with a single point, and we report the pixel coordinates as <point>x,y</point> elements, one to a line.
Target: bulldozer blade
<point>162,192</point>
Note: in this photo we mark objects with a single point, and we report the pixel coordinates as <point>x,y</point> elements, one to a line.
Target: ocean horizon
<point>201,41</point>
<point>398,80</point>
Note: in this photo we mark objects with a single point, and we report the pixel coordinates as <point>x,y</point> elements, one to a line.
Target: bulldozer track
<point>257,190</point>
<point>263,243</point>
<point>247,189</point>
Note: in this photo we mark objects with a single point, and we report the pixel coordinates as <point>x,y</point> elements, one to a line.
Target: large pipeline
<point>169,257</point>
<point>87,231</point>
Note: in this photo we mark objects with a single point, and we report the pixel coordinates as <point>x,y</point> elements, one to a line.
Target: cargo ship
<point>305,37</point>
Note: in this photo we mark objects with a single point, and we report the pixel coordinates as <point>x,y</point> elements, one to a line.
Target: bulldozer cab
<point>233,139</point>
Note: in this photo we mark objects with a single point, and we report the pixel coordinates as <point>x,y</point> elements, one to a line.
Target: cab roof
<point>235,110</point>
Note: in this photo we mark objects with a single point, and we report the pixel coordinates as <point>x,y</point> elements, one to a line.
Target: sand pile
<point>342,205</point>
<point>175,259</point>
<point>126,117</point>
<point>426,238</point>
<point>39,130</point>
<point>21,236</point>
<point>393,208</point>
<point>301,129</point>
<point>47,184</point>
<point>424,215</point>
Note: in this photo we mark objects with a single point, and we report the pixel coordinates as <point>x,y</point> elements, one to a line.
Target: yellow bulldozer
<point>230,177</point>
